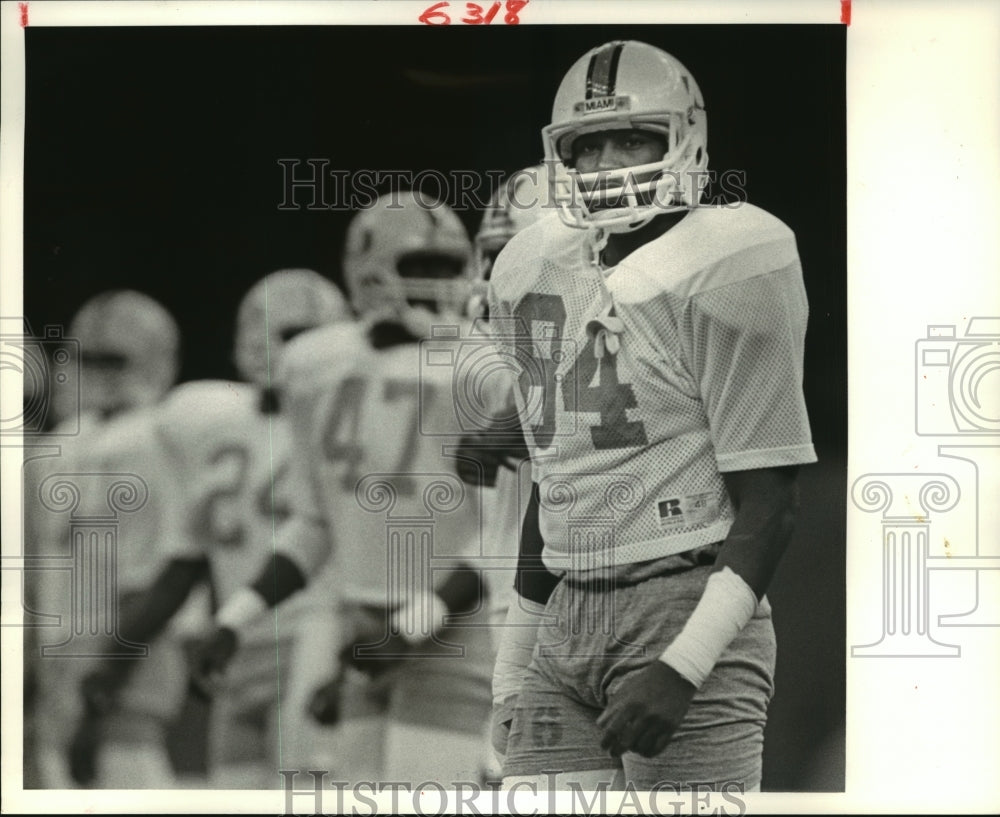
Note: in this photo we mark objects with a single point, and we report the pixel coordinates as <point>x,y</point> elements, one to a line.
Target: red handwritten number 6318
<point>477,15</point>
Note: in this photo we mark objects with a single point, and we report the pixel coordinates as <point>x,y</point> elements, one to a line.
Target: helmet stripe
<point>602,71</point>
<point>590,75</point>
<point>613,68</point>
<point>435,221</point>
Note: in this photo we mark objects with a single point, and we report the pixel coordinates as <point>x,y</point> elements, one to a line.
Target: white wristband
<point>243,608</point>
<point>725,607</point>
<point>419,618</point>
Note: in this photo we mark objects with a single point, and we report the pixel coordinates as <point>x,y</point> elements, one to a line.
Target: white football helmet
<point>129,349</point>
<point>518,203</point>
<point>524,198</point>
<point>274,310</point>
<point>628,85</point>
<point>407,256</point>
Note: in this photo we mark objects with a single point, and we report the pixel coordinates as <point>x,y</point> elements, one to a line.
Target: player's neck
<point>622,245</point>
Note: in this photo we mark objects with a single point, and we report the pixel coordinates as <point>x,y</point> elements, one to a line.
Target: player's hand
<point>375,659</point>
<point>483,454</point>
<point>499,735</point>
<point>83,750</point>
<point>211,657</point>
<point>324,706</point>
<point>645,711</point>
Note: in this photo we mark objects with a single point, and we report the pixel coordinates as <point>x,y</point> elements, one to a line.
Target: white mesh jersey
<point>643,383</point>
<point>228,461</point>
<point>374,439</point>
<point>116,473</point>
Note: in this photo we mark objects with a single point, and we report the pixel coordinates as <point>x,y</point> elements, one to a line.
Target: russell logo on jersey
<point>695,509</point>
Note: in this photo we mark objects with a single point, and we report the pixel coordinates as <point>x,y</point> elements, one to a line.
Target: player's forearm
<point>766,503</point>
<point>300,551</point>
<point>533,581</point>
<point>280,578</point>
<point>146,615</point>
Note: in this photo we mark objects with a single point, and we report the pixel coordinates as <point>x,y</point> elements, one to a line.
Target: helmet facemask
<point>627,198</point>
<point>640,88</point>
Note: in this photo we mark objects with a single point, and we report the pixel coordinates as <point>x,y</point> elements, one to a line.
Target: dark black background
<point>151,161</point>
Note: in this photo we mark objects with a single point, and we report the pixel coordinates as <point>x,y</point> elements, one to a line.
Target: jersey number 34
<point>576,387</point>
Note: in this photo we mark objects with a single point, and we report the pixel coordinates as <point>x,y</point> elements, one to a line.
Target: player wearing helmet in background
<point>129,352</point>
<point>374,476</point>
<point>523,199</point>
<point>496,456</point>
<point>129,348</point>
<point>225,451</point>
<point>665,419</point>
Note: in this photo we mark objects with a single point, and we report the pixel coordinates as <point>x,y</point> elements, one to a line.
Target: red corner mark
<point>24,14</point>
<point>845,12</point>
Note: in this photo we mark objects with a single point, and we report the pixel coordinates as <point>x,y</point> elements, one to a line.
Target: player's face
<point>616,149</point>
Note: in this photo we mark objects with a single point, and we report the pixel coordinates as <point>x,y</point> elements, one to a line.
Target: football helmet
<point>407,257</point>
<point>628,85</point>
<point>518,203</point>
<point>274,310</point>
<point>129,349</point>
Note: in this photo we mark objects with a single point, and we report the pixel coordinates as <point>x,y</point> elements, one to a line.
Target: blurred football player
<point>497,456</point>
<point>226,455</point>
<point>129,356</point>
<point>665,418</point>
<point>374,481</point>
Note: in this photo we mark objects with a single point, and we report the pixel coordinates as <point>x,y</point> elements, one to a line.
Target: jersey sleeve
<point>176,538</point>
<point>746,344</point>
<point>303,538</point>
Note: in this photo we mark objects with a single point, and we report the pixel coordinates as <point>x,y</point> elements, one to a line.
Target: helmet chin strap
<point>631,226</point>
<point>598,241</point>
